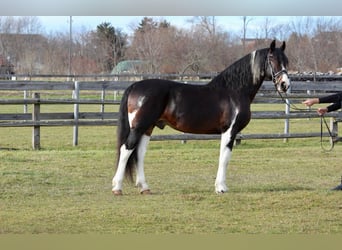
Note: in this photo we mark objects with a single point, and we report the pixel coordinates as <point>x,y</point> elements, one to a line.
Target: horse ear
<point>283,46</point>
<point>272,47</point>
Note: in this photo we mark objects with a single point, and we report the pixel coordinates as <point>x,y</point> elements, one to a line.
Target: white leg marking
<point>142,147</point>
<point>120,172</point>
<point>225,156</point>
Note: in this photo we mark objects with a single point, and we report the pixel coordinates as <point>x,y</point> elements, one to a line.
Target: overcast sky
<point>170,7</point>
<point>125,23</point>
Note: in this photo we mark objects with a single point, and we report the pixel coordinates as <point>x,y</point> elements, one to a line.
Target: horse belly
<point>195,122</point>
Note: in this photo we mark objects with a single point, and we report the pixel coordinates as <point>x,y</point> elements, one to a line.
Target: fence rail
<point>37,119</point>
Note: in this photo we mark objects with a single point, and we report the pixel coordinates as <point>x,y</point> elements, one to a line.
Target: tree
<point>244,31</point>
<point>112,43</point>
<point>315,44</point>
<point>147,24</point>
<point>327,43</point>
<point>151,42</point>
<point>211,46</point>
<point>21,42</point>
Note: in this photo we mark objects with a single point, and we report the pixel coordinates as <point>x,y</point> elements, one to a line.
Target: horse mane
<point>242,72</point>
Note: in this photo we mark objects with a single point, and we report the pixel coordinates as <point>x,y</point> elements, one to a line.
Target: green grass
<point>275,187</point>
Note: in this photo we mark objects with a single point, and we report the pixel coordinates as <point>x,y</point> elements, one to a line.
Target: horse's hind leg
<point>126,151</point>
<point>120,172</point>
<point>134,141</point>
<point>141,150</point>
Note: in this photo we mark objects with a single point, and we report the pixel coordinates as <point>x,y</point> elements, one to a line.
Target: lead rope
<point>332,143</point>
<point>323,120</point>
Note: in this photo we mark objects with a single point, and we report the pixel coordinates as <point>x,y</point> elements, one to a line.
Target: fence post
<point>287,111</point>
<point>76,97</point>
<point>103,97</point>
<point>36,118</point>
<point>25,105</point>
<point>287,121</point>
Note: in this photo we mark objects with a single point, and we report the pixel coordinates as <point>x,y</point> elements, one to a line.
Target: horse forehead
<point>280,57</point>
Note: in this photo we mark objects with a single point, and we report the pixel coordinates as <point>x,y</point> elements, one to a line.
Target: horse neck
<point>245,75</point>
<point>257,67</point>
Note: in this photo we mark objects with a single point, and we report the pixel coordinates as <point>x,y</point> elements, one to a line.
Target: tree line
<point>313,44</point>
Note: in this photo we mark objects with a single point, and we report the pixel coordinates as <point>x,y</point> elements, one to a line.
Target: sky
<point>127,23</point>
<point>169,7</point>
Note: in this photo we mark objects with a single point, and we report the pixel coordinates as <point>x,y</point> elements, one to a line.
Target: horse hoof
<point>147,191</point>
<point>221,192</point>
<point>117,192</point>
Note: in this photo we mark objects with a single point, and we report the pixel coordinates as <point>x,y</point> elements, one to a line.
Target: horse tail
<point>123,130</point>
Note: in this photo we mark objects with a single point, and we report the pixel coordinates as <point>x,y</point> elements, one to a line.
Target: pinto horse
<point>221,106</point>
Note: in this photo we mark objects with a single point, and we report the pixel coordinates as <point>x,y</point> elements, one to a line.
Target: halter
<point>277,74</point>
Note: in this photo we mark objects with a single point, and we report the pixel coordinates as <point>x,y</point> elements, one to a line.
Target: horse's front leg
<point>225,156</point>
<point>226,147</point>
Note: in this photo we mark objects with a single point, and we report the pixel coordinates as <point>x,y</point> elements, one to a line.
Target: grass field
<point>275,187</point>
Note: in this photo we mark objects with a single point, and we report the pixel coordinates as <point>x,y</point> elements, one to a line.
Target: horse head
<point>276,64</point>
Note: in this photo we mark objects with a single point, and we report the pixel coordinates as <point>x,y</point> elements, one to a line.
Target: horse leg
<point>225,155</point>
<point>120,172</point>
<point>226,147</point>
<point>141,150</point>
<point>126,151</point>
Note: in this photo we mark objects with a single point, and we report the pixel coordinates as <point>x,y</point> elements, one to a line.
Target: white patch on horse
<point>140,101</point>
<point>284,78</point>
<point>225,156</point>
<point>131,117</point>
<point>255,68</point>
<point>252,58</point>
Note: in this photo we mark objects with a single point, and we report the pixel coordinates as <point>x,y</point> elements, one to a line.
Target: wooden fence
<point>299,91</point>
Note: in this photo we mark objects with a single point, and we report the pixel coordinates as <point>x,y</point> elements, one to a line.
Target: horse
<point>221,106</point>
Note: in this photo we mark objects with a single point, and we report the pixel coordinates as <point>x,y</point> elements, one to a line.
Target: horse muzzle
<point>283,83</point>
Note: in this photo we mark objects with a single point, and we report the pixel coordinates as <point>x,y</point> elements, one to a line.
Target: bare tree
<point>315,43</point>
<point>244,31</point>
<point>207,23</point>
<point>21,40</point>
<point>57,53</point>
<point>211,46</point>
<point>20,25</point>
<point>301,46</point>
<point>150,43</point>
<point>267,28</point>
<point>326,43</point>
